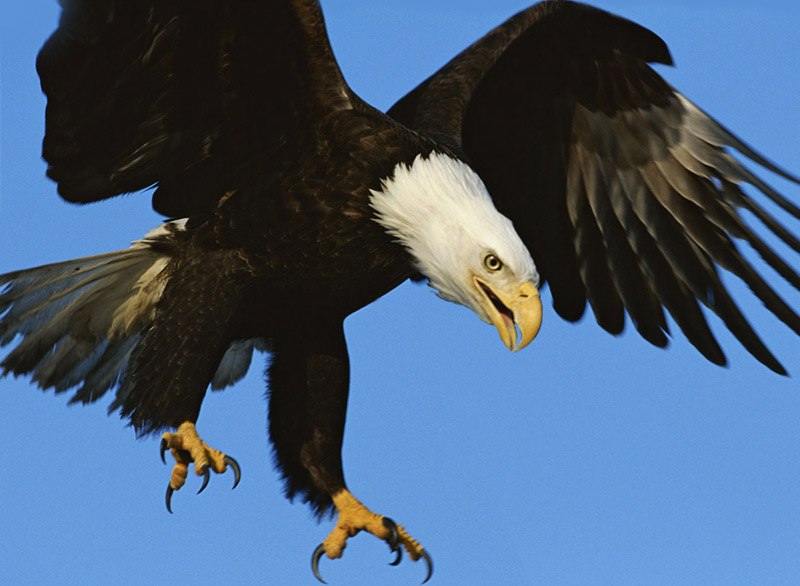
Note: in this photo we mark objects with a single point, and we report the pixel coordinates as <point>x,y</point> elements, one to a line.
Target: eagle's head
<point>440,210</point>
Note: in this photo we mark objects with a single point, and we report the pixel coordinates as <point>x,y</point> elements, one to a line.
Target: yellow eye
<point>492,263</point>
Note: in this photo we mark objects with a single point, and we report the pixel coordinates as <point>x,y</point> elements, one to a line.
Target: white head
<point>440,210</point>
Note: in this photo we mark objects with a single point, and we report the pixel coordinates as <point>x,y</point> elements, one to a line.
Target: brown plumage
<point>615,183</point>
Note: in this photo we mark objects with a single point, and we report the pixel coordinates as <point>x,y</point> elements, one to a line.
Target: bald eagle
<point>547,152</point>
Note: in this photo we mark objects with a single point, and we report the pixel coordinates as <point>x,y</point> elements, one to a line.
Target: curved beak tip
<point>519,322</point>
<point>527,308</point>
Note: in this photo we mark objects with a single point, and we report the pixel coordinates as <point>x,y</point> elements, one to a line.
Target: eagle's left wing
<point>619,186</point>
<point>190,97</point>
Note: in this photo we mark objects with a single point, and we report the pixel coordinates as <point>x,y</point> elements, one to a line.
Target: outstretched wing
<point>181,95</point>
<point>620,186</point>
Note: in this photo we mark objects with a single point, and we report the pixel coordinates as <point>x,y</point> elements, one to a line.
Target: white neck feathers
<point>440,210</point>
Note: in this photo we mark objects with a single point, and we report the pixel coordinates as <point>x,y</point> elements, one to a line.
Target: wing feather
<point>645,223</point>
<point>633,287</point>
<point>592,254</point>
<point>582,144</point>
<point>181,96</point>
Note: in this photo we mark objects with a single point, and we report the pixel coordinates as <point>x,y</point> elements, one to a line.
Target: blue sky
<point>585,459</point>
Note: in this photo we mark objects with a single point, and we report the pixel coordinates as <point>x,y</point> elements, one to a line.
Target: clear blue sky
<point>585,459</point>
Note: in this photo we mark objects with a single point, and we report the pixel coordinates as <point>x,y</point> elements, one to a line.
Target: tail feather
<point>113,368</point>
<point>80,320</point>
<point>76,324</point>
<point>67,365</point>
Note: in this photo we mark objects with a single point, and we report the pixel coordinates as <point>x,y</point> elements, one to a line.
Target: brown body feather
<point>238,115</point>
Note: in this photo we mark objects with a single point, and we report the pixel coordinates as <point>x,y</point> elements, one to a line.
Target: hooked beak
<point>521,310</point>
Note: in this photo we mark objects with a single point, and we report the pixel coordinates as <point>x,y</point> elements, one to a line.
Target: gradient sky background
<point>585,459</point>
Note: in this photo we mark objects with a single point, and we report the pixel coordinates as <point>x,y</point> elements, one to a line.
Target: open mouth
<point>505,312</point>
<point>517,315</point>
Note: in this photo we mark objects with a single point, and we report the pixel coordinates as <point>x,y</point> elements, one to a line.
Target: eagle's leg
<point>353,517</point>
<point>186,447</point>
<point>309,378</point>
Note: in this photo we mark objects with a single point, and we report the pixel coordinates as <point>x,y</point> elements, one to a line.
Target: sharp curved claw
<point>206,478</point>
<point>394,536</point>
<point>237,471</point>
<point>163,450</point>
<point>394,543</point>
<point>318,553</point>
<point>169,498</point>
<point>393,540</point>
<point>429,563</point>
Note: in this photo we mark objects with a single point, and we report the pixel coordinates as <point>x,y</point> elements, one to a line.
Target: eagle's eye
<point>492,263</point>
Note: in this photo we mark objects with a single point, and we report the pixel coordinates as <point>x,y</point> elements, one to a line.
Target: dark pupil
<point>492,262</point>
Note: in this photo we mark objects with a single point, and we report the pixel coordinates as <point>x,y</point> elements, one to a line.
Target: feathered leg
<point>309,382</point>
<point>155,324</point>
<point>195,314</point>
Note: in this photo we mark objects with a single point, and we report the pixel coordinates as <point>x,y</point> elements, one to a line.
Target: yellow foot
<point>354,517</point>
<point>186,447</point>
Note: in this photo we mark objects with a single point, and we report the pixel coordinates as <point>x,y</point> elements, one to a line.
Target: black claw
<point>237,471</point>
<point>394,537</point>
<point>169,498</point>
<point>163,450</point>
<point>206,476</point>
<point>318,553</point>
<point>394,543</point>
<point>429,563</point>
<point>393,540</point>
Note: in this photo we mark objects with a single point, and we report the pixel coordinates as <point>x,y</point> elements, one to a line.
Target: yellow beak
<point>522,310</point>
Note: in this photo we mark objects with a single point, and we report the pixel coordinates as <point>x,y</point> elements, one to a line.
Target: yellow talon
<point>353,517</point>
<point>186,447</point>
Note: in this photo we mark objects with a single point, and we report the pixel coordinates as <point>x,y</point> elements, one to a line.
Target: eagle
<point>547,153</point>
